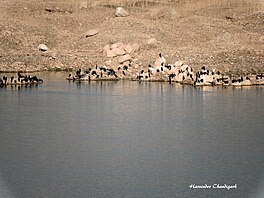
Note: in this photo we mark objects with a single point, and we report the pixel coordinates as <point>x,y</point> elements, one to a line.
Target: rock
<point>83,5</point>
<point>58,67</point>
<point>115,45</point>
<point>108,62</point>
<point>128,48</point>
<point>178,63</point>
<point>121,12</point>
<point>261,38</point>
<point>124,58</point>
<point>152,41</point>
<point>135,66</point>
<point>119,51</point>
<point>92,32</point>
<point>95,4</point>
<point>56,9</point>
<point>106,47</point>
<point>163,13</point>
<point>126,63</point>
<point>110,54</point>
<point>229,18</point>
<point>157,63</point>
<point>43,47</point>
<point>136,47</point>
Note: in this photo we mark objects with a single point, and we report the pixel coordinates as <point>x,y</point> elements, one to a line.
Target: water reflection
<point>129,139</point>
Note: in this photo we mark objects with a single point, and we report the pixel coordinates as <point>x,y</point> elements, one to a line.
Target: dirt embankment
<point>219,36</point>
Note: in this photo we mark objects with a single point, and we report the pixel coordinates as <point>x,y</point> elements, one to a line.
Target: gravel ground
<point>228,40</point>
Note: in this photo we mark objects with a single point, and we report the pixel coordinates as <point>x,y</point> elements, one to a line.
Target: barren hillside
<point>226,34</point>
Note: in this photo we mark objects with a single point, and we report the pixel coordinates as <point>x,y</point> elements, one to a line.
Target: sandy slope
<point>217,35</point>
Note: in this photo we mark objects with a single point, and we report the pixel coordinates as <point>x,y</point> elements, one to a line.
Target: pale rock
<point>152,41</point>
<point>121,12</point>
<point>110,53</point>
<point>107,47</point>
<point>163,12</point>
<point>95,4</point>
<point>124,58</point>
<point>58,67</point>
<point>157,63</point>
<point>115,45</point>
<point>126,63</point>
<point>128,48</point>
<point>136,47</point>
<point>119,51</point>
<point>108,62</point>
<point>261,38</point>
<point>92,32</point>
<point>122,46</point>
<point>83,5</point>
<point>43,47</point>
<point>184,67</point>
<point>178,63</point>
<point>135,66</point>
<point>135,60</point>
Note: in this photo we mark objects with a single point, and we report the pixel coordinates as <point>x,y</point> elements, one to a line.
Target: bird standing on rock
<point>161,61</point>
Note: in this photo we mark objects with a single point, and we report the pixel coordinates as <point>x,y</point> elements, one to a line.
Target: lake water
<point>130,139</point>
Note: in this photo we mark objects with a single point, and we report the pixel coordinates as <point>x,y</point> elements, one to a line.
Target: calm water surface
<point>130,139</point>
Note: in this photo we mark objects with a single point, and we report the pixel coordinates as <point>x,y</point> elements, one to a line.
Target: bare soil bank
<point>226,35</point>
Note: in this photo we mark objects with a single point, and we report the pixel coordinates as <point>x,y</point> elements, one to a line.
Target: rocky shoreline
<point>126,68</point>
<point>161,71</point>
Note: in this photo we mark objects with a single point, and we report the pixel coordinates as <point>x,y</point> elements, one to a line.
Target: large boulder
<point>121,12</point>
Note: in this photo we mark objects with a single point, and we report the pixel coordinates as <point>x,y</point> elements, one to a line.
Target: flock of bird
<point>161,71</point>
<point>20,80</point>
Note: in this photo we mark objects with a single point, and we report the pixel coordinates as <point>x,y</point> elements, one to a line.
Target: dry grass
<point>184,5</point>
